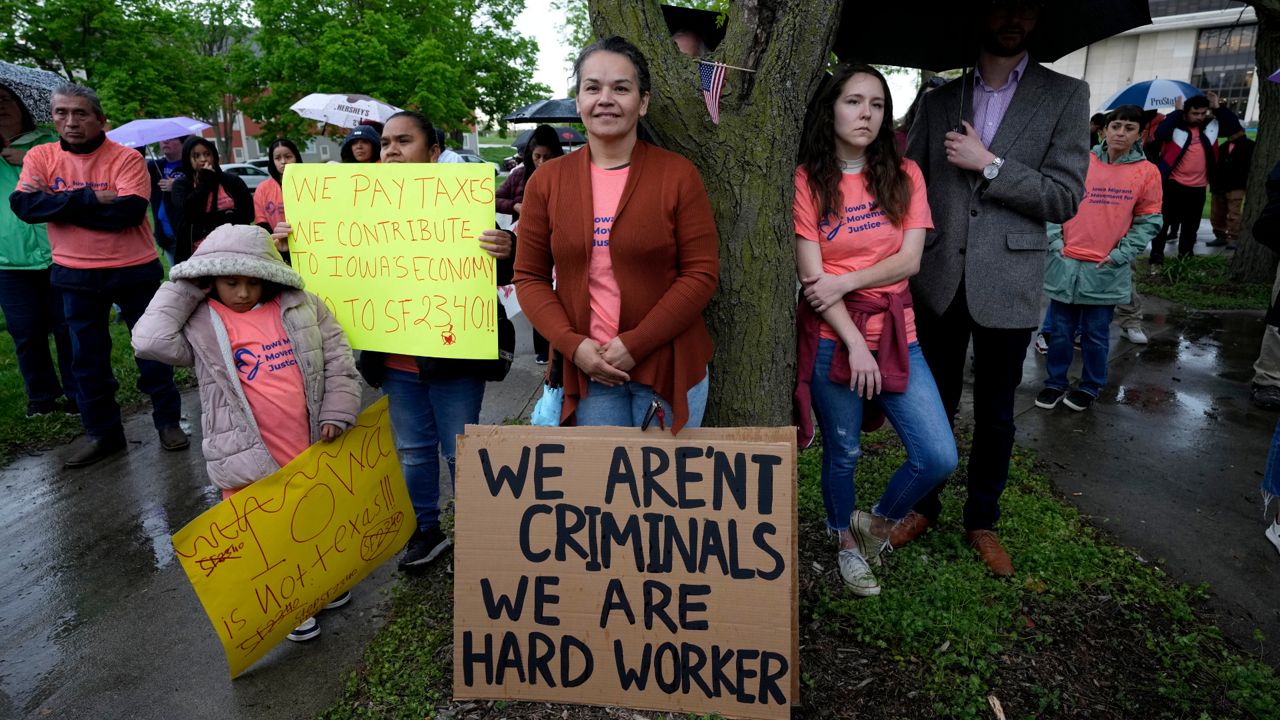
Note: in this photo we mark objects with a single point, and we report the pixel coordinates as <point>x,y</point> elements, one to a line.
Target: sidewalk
<point>97,619</point>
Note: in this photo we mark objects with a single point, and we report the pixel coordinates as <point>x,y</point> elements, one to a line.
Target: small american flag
<point>712,75</point>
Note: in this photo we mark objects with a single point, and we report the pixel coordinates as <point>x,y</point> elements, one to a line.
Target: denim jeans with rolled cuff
<point>916,415</point>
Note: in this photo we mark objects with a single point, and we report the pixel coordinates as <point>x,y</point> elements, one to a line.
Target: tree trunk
<point>1252,261</point>
<point>747,163</point>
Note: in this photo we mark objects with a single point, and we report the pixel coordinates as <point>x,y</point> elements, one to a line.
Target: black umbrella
<point>567,135</point>
<point>33,87</point>
<point>702,22</point>
<point>557,110</point>
<point>944,36</point>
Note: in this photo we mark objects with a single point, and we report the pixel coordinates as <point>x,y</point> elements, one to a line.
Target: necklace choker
<point>853,166</point>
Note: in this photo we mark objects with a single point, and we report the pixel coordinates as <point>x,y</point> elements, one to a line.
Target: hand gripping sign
<point>393,252</point>
<point>273,554</point>
<point>618,567</point>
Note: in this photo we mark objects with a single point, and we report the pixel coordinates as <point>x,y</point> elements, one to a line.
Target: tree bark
<point>747,163</point>
<point>1252,261</point>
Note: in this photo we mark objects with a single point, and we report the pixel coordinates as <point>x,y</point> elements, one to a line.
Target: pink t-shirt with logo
<point>602,286</point>
<point>862,237</point>
<point>111,167</point>
<point>1192,171</point>
<point>270,377</point>
<point>268,203</point>
<point>1113,196</point>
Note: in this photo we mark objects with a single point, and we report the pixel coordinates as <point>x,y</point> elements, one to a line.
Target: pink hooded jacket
<point>179,328</point>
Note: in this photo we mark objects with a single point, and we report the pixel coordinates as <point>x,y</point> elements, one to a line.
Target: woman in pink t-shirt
<point>861,213</point>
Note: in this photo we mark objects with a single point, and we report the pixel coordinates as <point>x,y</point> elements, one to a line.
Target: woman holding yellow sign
<point>431,399</point>
<point>629,230</point>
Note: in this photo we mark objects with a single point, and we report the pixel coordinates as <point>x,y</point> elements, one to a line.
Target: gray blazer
<point>992,234</point>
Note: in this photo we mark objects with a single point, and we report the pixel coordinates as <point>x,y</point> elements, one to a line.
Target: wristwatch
<point>991,171</point>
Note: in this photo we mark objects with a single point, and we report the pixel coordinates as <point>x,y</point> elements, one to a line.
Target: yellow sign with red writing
<point>393,251</point>
<point>272,555</point>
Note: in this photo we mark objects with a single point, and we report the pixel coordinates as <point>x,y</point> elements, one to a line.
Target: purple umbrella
<point>138,133</point>
<point>1274,77</point>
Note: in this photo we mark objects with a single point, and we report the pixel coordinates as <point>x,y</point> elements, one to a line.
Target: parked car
<point>252,175</point>
<point>474,158</point>
<point>264,163</point>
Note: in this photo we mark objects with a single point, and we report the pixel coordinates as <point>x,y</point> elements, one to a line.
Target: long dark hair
<point>271,155</point>
<point>542,136</point>
<point>886,179</point>
<point>190,144</point>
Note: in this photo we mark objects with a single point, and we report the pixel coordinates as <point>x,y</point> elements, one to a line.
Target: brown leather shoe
<point>992,553</point>
<point>908,529</point>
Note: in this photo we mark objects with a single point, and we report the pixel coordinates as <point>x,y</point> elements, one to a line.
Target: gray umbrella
<point>558,110</point>
<point>33,87</point>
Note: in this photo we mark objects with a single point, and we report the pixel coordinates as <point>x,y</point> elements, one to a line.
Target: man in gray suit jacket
<point>1019,163</point>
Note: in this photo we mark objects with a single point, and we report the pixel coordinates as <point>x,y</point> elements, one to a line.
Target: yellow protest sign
<point>612,566</point>
<point>392,251</point>
<point>273,554</point>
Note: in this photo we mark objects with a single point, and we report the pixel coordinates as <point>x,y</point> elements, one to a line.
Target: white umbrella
<point>345,111</point>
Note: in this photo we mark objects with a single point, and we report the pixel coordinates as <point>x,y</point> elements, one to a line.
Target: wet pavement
<point>1169,461</point>
<point>97,618</point>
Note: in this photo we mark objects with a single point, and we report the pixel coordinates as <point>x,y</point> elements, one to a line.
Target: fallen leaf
<point>996,707</point>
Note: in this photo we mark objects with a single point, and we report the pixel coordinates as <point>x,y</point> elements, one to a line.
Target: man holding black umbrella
<point>1019,162</point>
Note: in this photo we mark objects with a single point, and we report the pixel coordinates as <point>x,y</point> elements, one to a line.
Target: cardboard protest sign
<point>273,554</point>
<point>612,566</point>
<point>392,251</point>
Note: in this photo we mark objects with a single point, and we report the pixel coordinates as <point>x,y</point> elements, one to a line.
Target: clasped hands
<point>606,364</point>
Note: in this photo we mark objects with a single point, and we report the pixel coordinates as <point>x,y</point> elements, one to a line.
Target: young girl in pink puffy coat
<point>275,369</point>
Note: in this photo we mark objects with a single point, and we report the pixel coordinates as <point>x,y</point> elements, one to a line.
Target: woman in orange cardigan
<point>629,230</point>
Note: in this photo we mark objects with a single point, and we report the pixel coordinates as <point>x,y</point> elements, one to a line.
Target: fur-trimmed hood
<point>245,250</point>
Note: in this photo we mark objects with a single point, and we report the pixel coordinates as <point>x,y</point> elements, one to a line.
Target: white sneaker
<point>1135,335</point>
<point>1273,534</point>
<point>306,631</point>
<point>1042,343</point>
<point>856,574</point>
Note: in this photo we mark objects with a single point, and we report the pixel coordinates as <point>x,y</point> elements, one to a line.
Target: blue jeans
<point>87,297</point>
<point>916,415</point>
<point>1094,322</point>
<point>427,418</point>
<point>626,405</point>
<point>33,311</point>
<point>1271,480</point>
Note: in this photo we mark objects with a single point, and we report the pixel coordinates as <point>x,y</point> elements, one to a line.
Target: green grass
<point>936,595</point>
<point>1201,282</point>
<point>496,155</point>
<point>498,139</point>
<point>942,623</point>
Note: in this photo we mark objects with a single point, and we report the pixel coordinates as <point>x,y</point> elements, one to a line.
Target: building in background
<point>1208,43</point>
